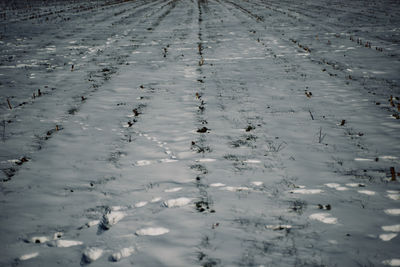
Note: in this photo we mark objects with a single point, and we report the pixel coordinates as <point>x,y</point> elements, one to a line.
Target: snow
<point>253,132</point>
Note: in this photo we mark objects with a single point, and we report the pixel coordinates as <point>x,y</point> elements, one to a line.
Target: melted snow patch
<point>123,253</point>
<point>392,262</point>
<point>177,202</point>
<point>307,191</point>
<point>387,237</point>
<point>392,211</point>
<point>67,243</point>
<point>141,204</point>
<point>323,217</point>
<point>153,231</point>
<point>367,192</point>
<point>391,228</point>
<point>172,190</point>
<point>28,256</point>
<point>217,185</point>
<point>91,254</point>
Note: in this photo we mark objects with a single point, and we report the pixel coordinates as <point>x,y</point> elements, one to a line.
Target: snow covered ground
<point>200,133</point>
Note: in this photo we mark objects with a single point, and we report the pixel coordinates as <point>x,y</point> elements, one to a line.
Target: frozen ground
<point>199,133</point>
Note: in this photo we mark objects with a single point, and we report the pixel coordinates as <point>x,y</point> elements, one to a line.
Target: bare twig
<point>9,104</point>
<point>312,117</point>
<point>275,147</point>
<point>393,172</point>
<point>321,136</point>
<point>4,130</point>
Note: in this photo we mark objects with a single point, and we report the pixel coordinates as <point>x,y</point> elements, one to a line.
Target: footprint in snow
<point>217,185</point>
<point>90,255</point>
<point>323,217</point>
<point>141,204</point>
<point>304,191</point>
<point>177,202</point>
<point>156,199</point>
<point>152,231</point>
<point>123,253</point>
<point>391,228</point>
<point>393,212</point>
<point>367,192</point>
<point>110,218</point>
<point>172,190</point>
<point>387,237</point>
<point>393,194</point>
<point>65,243</point>
<point>28,256</point>
<point>336,186</point>
<point>392,262</point>
<point>44,239</point>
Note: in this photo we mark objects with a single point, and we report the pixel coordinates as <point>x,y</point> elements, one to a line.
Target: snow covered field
<point>200,133</point>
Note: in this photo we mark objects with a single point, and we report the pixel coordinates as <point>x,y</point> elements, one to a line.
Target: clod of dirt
<point>202,206</point>
<point>250,128</point>
<point>324,207</point>
<point>22,161</point>
<point>136,112</point>
<point>202,130</point>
